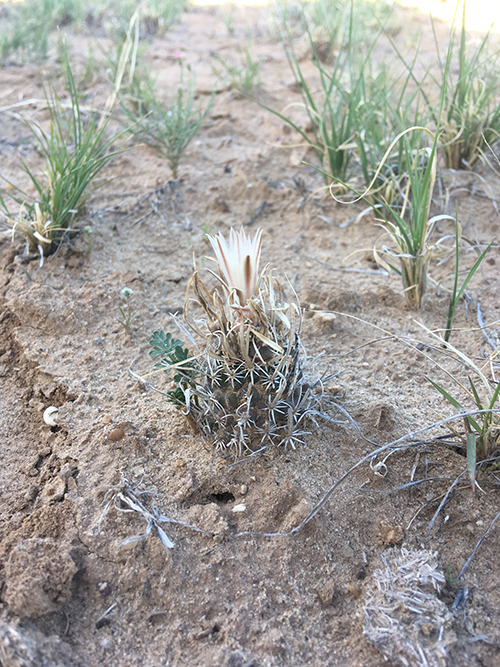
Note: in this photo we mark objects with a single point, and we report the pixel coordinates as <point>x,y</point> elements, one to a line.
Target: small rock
<point>243,489</point>
<point>239,508</point>
<point>180,463</point>
<point>116,434</point>
<point>106,419</point>
<point>347,551</point>
<point>107,643</point>
<point>390,534</point>
<point>354,590</point>
<point>326,594</point>
<point>427,629</point>
<point>104,588</point>
<point>54,491</point>
<point>32,492</point>
<point>323,321</point>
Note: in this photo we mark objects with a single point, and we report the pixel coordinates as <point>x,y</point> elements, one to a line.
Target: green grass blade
<point>471,457</point>
<point>455,404</point>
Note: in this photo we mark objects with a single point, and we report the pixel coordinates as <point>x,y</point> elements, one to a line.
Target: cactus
<point>245,387</point>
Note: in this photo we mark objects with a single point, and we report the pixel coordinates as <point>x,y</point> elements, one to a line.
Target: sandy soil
<point>219,600</point>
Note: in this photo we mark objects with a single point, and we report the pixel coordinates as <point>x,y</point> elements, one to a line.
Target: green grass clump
<point>481,435</point>
<point>243,76</point>
<point>27,26</point>
<point>471,113</point>
<point>156,16</point>
<point>168,129</point>
<point>75,150</point>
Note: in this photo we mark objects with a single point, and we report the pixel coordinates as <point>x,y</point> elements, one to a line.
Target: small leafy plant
<point>75,151</point>
<point>128,317</point>
<point>168,130</point>
<point>175,355</point>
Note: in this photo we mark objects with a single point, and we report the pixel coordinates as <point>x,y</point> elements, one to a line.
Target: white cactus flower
<point>238,261</point>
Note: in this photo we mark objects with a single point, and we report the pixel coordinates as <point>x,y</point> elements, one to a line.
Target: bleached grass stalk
<point>125,498</point>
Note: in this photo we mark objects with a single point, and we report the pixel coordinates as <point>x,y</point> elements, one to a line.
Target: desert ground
<point>72,593</point>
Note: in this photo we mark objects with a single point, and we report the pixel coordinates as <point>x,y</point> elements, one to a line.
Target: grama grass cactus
<point>246,386</point>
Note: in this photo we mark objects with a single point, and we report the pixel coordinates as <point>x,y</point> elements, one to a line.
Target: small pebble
<point>180,463</point>
<point>49,414</point>
<point>104,588</point>
<point>107,643</point>
<point>33,492</point>
<point>239,508</point>
<point>116,434</point>
<point>354,590</point>
<point>106,419</point>
<point>243,489</point>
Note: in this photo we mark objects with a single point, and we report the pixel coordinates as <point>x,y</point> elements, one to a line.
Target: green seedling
<point>482,430</point>
<point>128,317</point>
<point>228,19</point>
<point>156,16</point>
<point>457,291</point>
<point>167,129</point>
<point>242,77</point>
<point>481,433</point>
<point>90,235</point>
<point>75,151</point>
<point>386,108</point>
<point>85,75</point>
<point>408,221</point>
<point>468,111</point>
